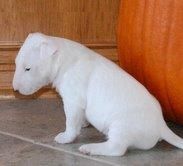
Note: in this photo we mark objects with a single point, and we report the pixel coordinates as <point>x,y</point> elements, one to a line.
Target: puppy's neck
<point>63,61</point>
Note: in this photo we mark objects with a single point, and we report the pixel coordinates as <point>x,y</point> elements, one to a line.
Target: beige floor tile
<point>42,119</point>
<point>15,152</point>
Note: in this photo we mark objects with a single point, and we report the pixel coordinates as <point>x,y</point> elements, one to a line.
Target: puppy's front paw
<point>64,138</point>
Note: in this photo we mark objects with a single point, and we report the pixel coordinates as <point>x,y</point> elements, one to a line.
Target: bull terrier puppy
<point>93,89</point>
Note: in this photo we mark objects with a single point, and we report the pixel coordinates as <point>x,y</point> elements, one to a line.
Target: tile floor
<point>28,127</point>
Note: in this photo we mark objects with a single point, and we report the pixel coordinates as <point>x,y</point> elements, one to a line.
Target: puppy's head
<point>33,64</point>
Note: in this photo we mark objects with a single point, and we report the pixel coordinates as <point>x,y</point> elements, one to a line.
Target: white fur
<point>95,89</point>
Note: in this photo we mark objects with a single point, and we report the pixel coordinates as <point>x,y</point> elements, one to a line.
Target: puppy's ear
<point>47,49</point>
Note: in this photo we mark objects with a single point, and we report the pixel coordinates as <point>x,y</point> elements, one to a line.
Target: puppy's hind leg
<point>114,146</point>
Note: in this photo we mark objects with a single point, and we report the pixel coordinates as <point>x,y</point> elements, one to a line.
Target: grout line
<point>56,148</point>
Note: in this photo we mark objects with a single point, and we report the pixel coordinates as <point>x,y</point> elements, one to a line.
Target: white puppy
<point>93,89</point>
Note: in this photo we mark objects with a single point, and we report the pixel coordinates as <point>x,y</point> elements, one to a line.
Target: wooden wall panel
<point>91,22</point>
<point>87,21</point>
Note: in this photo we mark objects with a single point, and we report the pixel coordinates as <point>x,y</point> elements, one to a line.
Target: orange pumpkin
<point>150,47</point>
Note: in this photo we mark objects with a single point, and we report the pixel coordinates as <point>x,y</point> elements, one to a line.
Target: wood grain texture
<point>87,21</point>
<point>150,42</point>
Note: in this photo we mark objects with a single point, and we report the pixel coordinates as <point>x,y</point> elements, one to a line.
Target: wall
<point>91,22</point>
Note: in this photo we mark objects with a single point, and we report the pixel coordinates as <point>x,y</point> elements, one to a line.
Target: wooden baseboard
<point>8,52</point>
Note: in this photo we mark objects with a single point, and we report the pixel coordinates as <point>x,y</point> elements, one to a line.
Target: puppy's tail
<point>171,137</point>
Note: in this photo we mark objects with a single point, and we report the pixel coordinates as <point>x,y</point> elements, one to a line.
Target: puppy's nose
<point>15,87</point>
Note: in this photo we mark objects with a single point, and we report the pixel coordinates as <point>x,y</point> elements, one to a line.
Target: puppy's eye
<point>27,69</point>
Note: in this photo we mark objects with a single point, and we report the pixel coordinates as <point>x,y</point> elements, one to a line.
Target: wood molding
<point>9,50</point>
<point>42,93</point>
<point>4,45</point>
